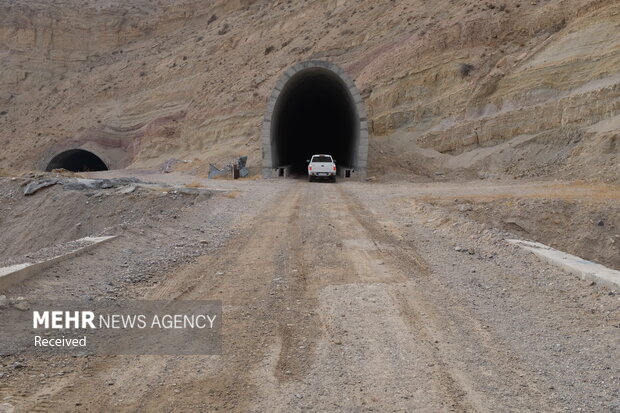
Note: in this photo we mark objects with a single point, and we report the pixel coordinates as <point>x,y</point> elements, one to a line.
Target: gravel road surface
<point>337,297</point>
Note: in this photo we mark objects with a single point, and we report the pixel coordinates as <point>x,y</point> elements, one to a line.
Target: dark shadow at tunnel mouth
<point>76,160</point>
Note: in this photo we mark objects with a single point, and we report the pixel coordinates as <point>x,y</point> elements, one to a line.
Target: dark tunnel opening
<point>314,114</point>
<point>76,160</point>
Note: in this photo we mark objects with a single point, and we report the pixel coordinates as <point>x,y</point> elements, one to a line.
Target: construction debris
<point>79,184</point>
<point>235,169</point>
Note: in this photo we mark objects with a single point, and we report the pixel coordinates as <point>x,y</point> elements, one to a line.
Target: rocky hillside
<point>452,88</point>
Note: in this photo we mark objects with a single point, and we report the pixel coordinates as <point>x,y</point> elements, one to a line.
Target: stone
<point>22,304</point>
<point>127,189</point>
<point>18,365</point>
<point>35,186</point>
<point>4,302</point>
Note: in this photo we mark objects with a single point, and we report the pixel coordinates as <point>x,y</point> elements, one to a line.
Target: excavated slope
<point>524,88</point>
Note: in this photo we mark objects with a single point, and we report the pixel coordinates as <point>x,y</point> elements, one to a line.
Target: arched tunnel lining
<point>315,113</point>
<point>77,160</point>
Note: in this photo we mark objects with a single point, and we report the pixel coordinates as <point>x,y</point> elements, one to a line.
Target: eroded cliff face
<point>509,87</point>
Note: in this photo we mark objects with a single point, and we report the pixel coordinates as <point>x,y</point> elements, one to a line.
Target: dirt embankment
<point>55,215</point>
<point>577,218</point>
<point>590,230</point>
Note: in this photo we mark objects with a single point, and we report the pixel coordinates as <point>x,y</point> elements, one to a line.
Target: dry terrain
<point>452,88</point>
<point>486,120</point>
<point>347,297</point>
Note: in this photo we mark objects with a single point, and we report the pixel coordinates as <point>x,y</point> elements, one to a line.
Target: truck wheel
<point>309,178</point>
<point>334,179</point>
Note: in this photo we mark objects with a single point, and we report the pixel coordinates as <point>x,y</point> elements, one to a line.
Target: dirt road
<point>344,298</point>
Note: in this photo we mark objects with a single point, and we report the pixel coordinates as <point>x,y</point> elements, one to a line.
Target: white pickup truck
<point>321,167</point>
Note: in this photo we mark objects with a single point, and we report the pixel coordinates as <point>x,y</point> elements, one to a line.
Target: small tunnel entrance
<point>77,160</point>
<point>317,111</point>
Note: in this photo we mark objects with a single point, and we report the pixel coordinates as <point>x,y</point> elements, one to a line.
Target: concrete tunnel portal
<point>315,108</point>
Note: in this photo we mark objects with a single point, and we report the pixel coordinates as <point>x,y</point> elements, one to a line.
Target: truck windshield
<point>322,158</point>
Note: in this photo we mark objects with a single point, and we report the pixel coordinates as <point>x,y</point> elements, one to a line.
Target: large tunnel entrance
<point>314,114</point>
<point>315,109</point>
<point>77,160</point>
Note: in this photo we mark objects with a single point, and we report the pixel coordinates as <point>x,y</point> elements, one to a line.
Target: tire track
<point>431,310</point>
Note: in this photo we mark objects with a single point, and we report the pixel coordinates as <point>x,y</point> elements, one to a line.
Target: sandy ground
<point>347,297</point>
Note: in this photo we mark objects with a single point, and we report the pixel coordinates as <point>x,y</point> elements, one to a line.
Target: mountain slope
<point>463,87</point>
